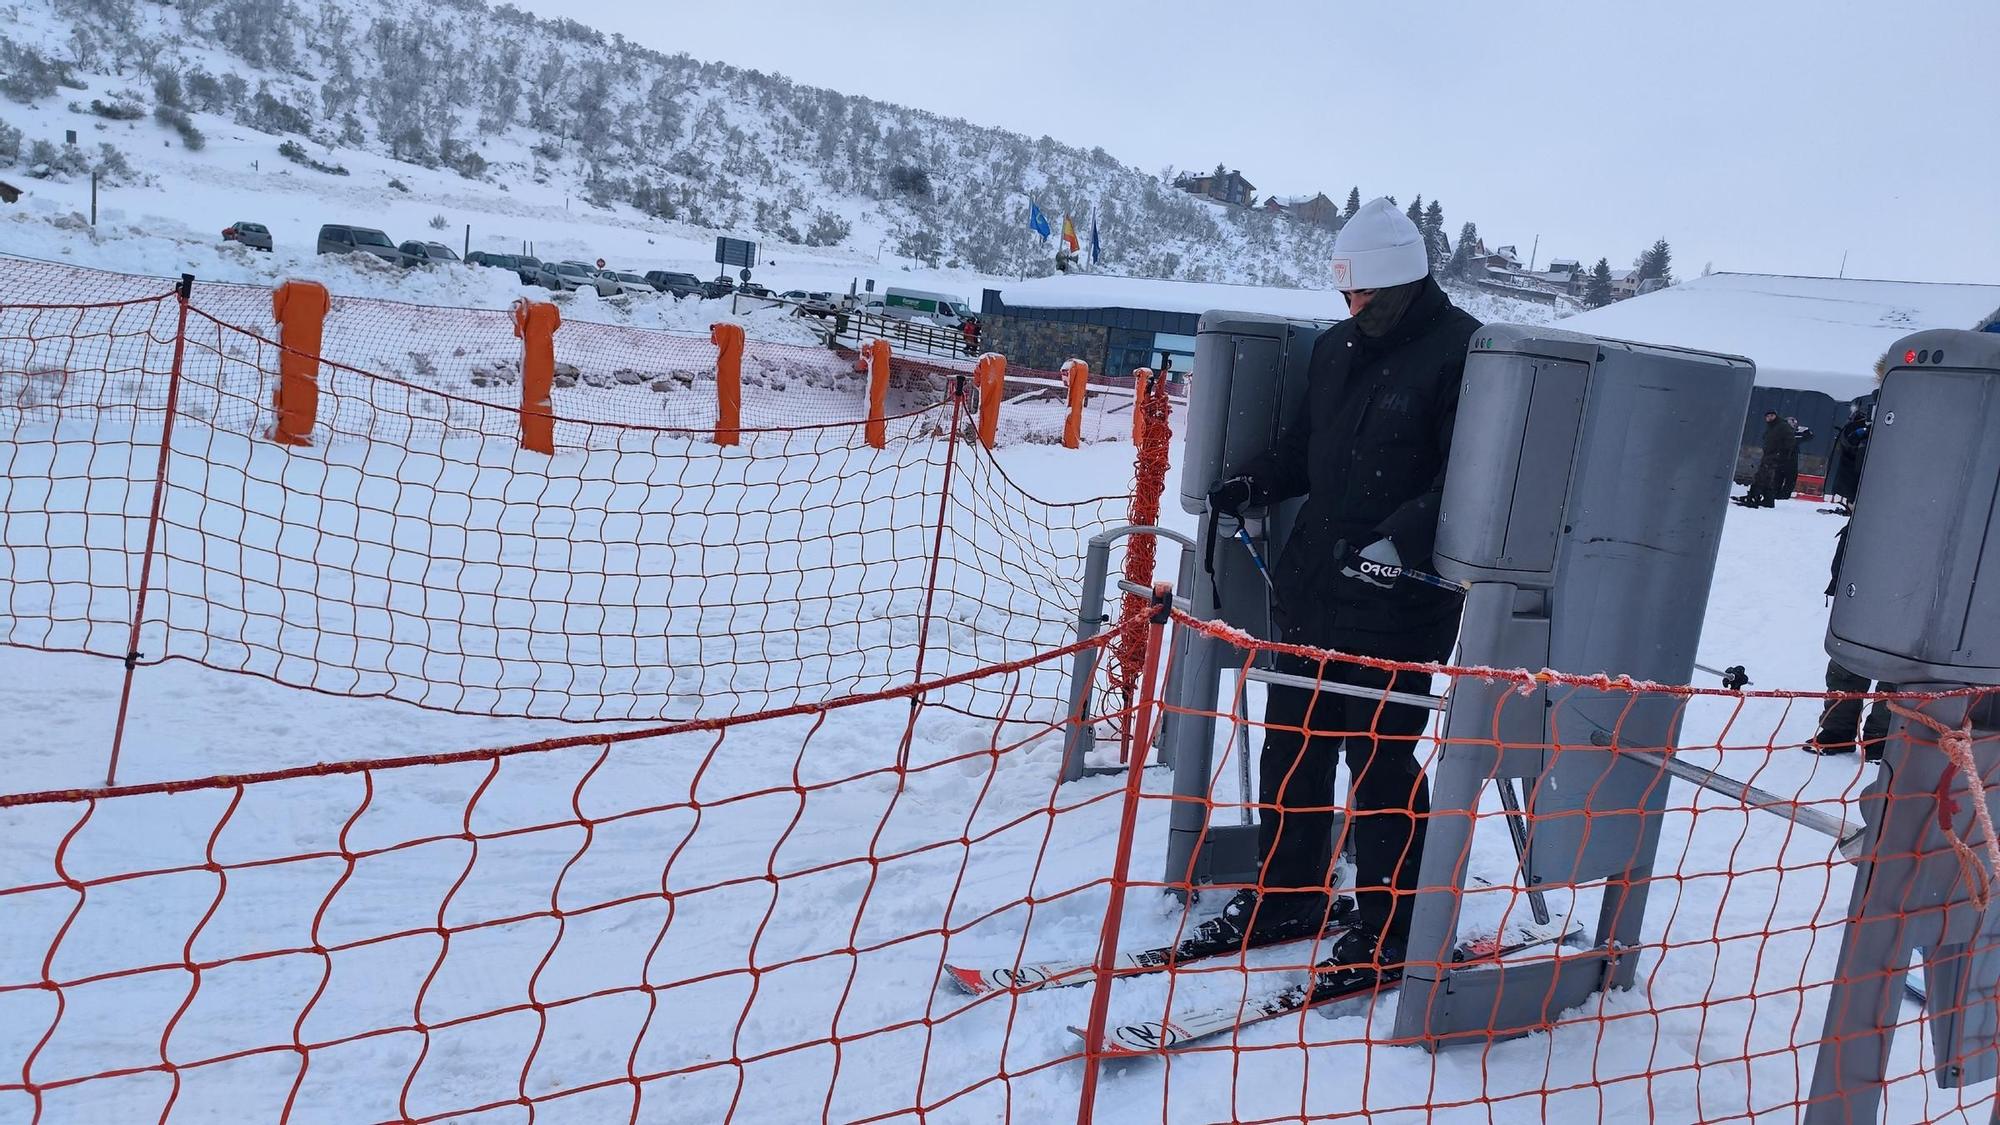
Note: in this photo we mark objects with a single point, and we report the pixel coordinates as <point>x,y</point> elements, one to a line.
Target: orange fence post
<point>877,356</point>
<point>728,340</point>
<point>300,309</point>
<point>990,375</point>
<point>535,322</point>
<point>1142,381</point>
<point>1154,425</point>
<point>1077,374</point>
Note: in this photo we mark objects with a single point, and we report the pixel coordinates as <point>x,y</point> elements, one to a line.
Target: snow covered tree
<point>1459,264</point>
<point>1597,291</point>
<point>1434,236</point>
<point>1656,262</point>
<point>1415,212</point>
<point>1353,203</point>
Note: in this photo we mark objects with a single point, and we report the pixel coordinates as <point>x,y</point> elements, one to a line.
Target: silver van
<point>339,238</point>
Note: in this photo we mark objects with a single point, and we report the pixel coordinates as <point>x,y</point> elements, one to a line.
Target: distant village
<point>1498,269</point>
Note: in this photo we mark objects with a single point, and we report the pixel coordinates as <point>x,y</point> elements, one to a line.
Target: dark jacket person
<point>1369,457</point>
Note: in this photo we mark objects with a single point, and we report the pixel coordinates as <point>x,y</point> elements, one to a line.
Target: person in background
<point>1368,453</point>
<point>1839,719</point>
<point>1780,449</point>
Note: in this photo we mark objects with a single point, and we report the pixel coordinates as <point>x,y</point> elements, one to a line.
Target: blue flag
<point>1095,248</point>
<point>1038,222</point>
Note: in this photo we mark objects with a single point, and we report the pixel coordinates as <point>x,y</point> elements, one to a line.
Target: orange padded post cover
<point>300,309</point>
<point>728,340</point>
<point>535,322</point>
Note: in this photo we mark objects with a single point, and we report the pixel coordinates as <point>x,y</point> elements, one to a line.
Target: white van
<point>941,308</point>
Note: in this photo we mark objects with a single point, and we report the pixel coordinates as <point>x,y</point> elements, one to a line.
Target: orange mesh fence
<point>729,920</point>
<point>415,552</point>
<point>872,911</point>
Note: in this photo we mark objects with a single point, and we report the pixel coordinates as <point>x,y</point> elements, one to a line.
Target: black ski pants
<point>1389,798</point>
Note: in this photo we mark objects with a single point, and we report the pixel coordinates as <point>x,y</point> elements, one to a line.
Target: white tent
<point>1804,333</point>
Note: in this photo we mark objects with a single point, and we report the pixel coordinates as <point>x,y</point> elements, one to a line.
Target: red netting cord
<point>1956,742</point>
<point>1150,480</point>
<point>152,531</point>
<point>1151,640</point>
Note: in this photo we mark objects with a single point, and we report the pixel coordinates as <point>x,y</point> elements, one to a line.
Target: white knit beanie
<point>1377,248</point>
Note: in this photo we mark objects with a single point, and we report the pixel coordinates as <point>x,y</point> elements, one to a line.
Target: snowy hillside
<point>496,102</point>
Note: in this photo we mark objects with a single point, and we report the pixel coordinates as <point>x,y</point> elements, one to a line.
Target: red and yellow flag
<point>1069,234</point>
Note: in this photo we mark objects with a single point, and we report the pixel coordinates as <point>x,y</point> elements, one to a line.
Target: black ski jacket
<point>1369,456</point>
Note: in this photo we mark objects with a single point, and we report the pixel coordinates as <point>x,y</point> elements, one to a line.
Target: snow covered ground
<point>689,918</point>
<point>514,906</point>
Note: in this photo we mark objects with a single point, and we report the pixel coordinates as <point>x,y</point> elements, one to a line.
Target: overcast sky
<point>1757,135</point>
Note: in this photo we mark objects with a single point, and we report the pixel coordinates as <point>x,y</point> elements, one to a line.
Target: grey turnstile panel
<point>1249,381</point>
<point>1918,596</point>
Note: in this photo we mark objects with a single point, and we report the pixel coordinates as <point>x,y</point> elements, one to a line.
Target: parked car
<point>562,276</point>
<point>256,236</point>
<point>521,264</point>
<point>627,283</point>
<point>720,287</point>
<point>752,289</point>
<point>339,238</point>
<point>678,284</point>
<point>426,253</point>
<point>820,304</point>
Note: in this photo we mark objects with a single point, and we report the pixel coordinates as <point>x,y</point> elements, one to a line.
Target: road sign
<point>744,273</point>
<point>600,263</point>
<point>735,252</point>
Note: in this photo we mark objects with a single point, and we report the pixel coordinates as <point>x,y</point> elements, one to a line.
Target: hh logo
<point>1395,402</point>
<point>1343,273</point>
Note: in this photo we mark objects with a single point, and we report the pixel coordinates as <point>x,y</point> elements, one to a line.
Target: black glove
<point>1377,564</point>
<point>1229,497</point>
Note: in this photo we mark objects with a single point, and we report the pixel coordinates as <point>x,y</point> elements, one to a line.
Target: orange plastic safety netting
<point>415,552</point>
<point>881,909</point>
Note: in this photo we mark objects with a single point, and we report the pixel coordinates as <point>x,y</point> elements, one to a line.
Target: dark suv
<point>678,284</point>
<point>427,253</point>
<point>339,238</point>
<point>721,287</point>
<point>524,266</point>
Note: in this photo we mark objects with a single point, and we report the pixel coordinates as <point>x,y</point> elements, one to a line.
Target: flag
<point>1096,248</point>
<point>1038,222</point>
<point>1069,234</point>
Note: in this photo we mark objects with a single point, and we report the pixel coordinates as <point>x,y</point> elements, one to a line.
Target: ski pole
<point>1734,678</point>
<point>1250,545</point>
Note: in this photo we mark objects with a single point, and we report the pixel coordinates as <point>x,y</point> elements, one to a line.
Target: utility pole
<point>1843,263</point>
<point>468,242</point>
<point>1534,252</point>
<point>93,197</point>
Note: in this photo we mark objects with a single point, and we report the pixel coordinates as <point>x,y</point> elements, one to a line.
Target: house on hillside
<point>1272,206</point>
<point>1229,187</point>
<point>1317,210</point>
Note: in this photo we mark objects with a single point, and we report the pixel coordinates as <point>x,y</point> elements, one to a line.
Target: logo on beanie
<point>1343,273</point>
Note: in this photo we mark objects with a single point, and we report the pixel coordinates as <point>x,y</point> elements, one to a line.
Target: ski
<point>1035,975</point>
<point>1195,1024</point>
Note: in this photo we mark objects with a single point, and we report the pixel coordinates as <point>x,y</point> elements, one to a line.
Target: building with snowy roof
<point>1815,340</point>
<point>1117,324</point>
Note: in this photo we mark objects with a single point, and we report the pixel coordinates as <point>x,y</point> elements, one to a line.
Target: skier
<point>1788,469</point>
<point>1369,456</point>
<point>1843,476</point>
<point>1780,448</point>
<point>1838,719</point>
